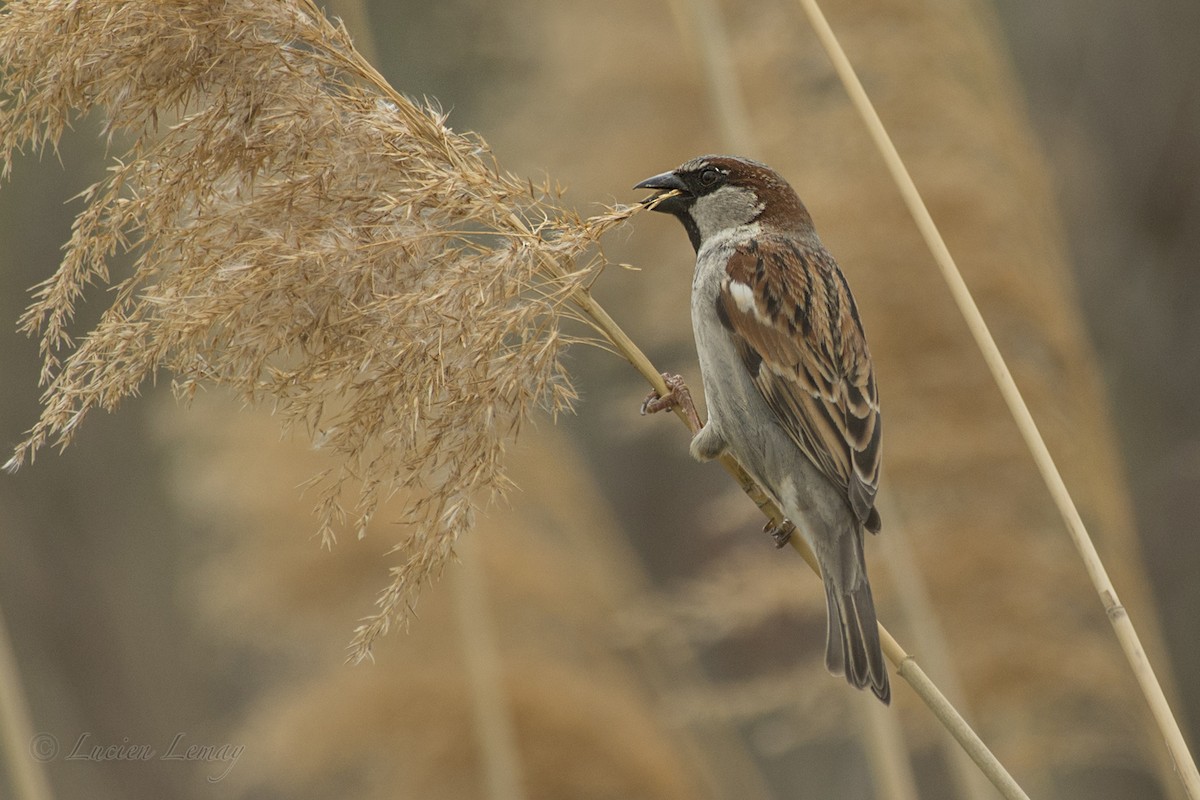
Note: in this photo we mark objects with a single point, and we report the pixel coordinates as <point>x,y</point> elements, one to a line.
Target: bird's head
<point>717,193</point>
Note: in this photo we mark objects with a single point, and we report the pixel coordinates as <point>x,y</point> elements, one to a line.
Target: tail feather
<point>852,646</point>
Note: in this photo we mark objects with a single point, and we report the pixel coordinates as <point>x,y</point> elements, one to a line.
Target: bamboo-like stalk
<point>945,711</point>
<point>1116,612</point>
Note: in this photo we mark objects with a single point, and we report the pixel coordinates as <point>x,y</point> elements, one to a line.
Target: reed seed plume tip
<point>298,232</point>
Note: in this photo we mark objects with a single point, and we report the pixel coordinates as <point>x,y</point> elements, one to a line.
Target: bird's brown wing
<point>795,325</point>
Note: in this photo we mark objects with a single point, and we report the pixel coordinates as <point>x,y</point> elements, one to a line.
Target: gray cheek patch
<point>725,208</point>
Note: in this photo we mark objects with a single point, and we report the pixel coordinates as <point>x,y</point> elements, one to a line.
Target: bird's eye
<point>710,176</point>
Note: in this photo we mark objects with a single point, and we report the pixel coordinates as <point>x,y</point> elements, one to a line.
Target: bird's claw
<point>655,402</point>
<point>781,533</point>
<point>678,395</point>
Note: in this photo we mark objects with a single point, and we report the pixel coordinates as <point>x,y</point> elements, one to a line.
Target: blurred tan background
<point>623,629</point>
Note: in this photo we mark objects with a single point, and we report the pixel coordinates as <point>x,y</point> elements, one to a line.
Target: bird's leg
<point>678,395</point>
<point>781,533</point>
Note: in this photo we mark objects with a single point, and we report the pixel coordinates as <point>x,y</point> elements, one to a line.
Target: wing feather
<point>794,323</point>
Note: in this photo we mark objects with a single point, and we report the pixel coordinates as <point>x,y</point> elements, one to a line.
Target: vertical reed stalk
<point>1127,635</point>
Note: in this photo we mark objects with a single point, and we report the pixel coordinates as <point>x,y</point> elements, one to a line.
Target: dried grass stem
<point>307,237</point>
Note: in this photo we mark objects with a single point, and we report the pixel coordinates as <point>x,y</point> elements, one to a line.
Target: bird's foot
<point>678,396</point>
<point>781,533</point>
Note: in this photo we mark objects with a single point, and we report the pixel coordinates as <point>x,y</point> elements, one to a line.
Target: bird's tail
<point>852,639</point>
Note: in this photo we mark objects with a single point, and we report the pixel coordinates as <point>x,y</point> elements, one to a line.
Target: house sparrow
<point>788,379</point>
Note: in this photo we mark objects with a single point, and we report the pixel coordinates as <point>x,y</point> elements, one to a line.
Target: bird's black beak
<point>664,183</point>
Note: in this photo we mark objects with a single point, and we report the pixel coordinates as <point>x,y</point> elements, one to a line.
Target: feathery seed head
<point>306,236</point>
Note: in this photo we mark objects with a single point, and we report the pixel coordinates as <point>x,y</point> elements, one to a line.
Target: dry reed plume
<point>305,236</point>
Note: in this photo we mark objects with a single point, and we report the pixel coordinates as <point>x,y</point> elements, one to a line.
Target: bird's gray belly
<point>740,413</point>
<point>755,437</point>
